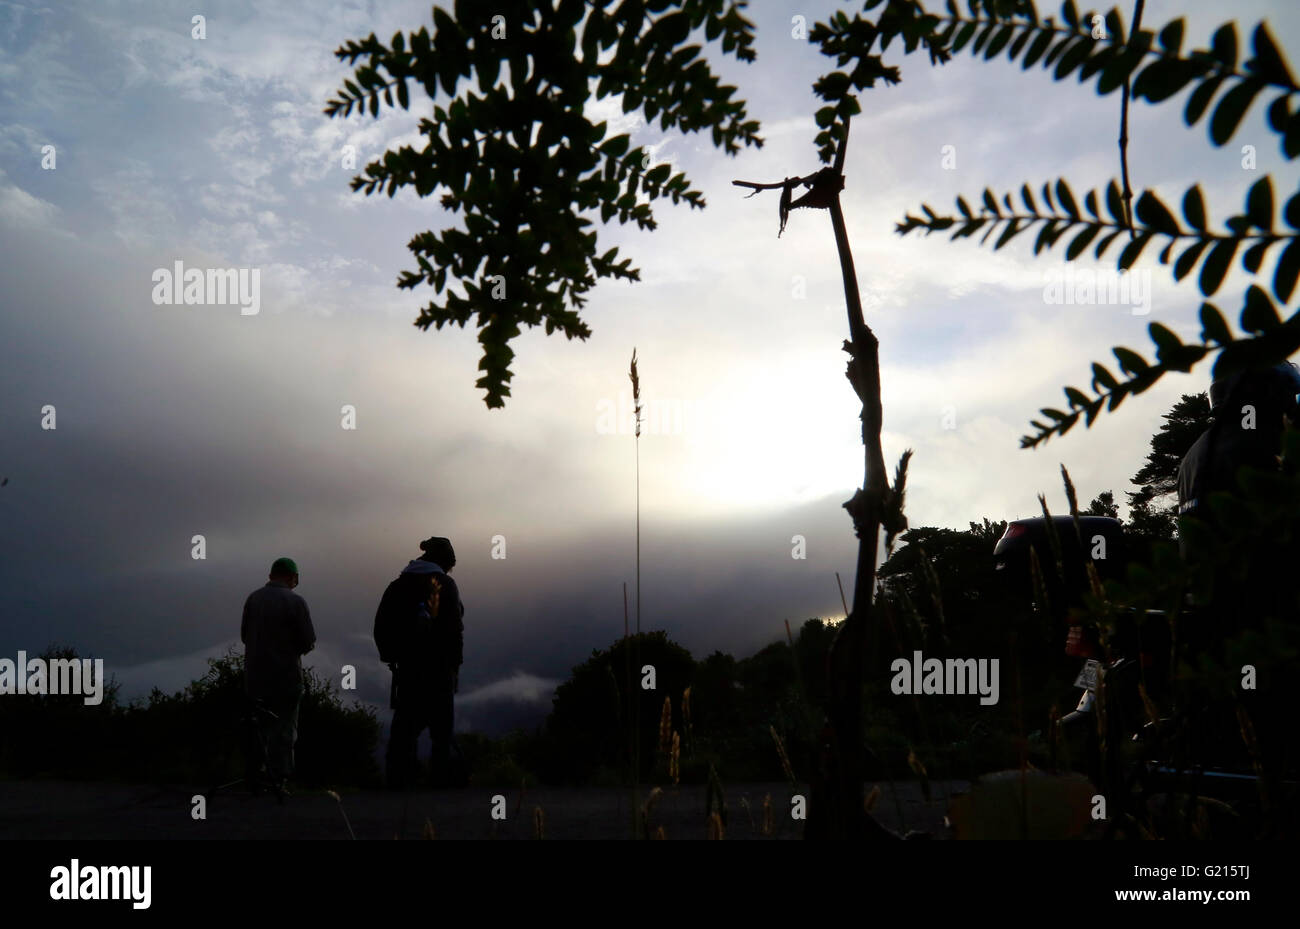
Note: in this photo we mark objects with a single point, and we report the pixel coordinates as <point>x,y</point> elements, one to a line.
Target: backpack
<point>416,618</point>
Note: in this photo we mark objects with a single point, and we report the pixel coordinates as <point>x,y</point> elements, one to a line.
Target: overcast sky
<point>176,421</point>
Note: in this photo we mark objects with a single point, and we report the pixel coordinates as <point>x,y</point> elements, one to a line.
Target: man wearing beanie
<point>277,632</point>
<point>419,629</point>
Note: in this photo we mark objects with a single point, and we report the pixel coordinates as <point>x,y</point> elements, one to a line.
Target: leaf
<point>1121,67</point>
<point>1133,249</point>
<point>1167,342</point>
<point>1069,15</point>
<point>1044,236</point>
<point>1194,208</point>
<point>1073,57</point>
<point>1036,49</point>
<point>1094,63</point>
<point>1077,398</point>
<point>1019,44</point>
<point>991,202</point>
<point>1090,202</point>
<point>1055,53</point>
<point>1007,234</point>
<point>1254,256</point>
<point>1233,106</point>
<point>999,42</point>
<point>1214,328</point>
<point>1259,314</point>
<point>1102,376</point>
<point>1165,77</point>
<point>1216,265</point>
<point>616,146</point>
<point>963,36</point>
<point>1115,203</point>
<point>1269,63</point>
<point>1028,198</point>
<point>1259,204</point>
<point>1278,114</point>
<point>1291,213</point>
<point>1155,214</point>
<point>1114,26</point>
<point>1187,260</point>
<point>1105,243</point>
<point>1200,99</point>
<point>1288,266</point>
<point>1066,199</point>
<point>1081,242</point>
<point>1171,37</point>
<point>1130,360</point>
<point>1224,45</point>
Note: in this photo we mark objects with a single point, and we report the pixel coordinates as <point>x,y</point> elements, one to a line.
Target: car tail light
<point>1014,530</point>
<point>1077,644</point>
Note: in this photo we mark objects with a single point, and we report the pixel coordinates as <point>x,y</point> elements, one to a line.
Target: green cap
<point>284,566</point>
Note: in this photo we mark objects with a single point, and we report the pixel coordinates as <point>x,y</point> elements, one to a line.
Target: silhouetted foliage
<point>1153,507</point>
<point>1103,505</point>
<point>591,721</point>
<point>522,161</point>
<point>56,735</point>
<point>1159,69</point>
<point>190,737</point>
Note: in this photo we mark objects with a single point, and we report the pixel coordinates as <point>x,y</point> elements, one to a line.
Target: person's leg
<point>401,760</point>
<point>441,714</point>
<point>289,734</point>
<point>281,732</point>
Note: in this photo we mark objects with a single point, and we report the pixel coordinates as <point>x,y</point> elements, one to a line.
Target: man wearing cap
<point>277,632</point>
<point>419,629</point>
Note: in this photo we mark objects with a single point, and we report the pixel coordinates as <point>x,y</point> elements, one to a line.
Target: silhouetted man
<point>419,629</point>
<point>1251,409</point>
<point>277,632</point>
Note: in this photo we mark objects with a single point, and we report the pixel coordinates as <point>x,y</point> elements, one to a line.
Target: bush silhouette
<point>191,736</point>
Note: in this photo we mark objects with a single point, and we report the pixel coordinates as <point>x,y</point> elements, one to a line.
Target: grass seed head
<point>636,393</point>
<point>780,750</point>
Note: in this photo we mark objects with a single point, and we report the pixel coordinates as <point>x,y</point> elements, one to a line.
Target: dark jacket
<point>1211,464</point>
<point>276,631</point>
<point>420,620</point>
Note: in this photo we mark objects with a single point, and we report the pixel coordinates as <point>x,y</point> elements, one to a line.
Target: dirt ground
<point>73,810</point>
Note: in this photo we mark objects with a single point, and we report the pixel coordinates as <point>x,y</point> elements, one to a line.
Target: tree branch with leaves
<point>521,164</point>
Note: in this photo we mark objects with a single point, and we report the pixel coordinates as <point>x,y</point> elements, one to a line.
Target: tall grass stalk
<point>636,712</point>
<point>346,821</point>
